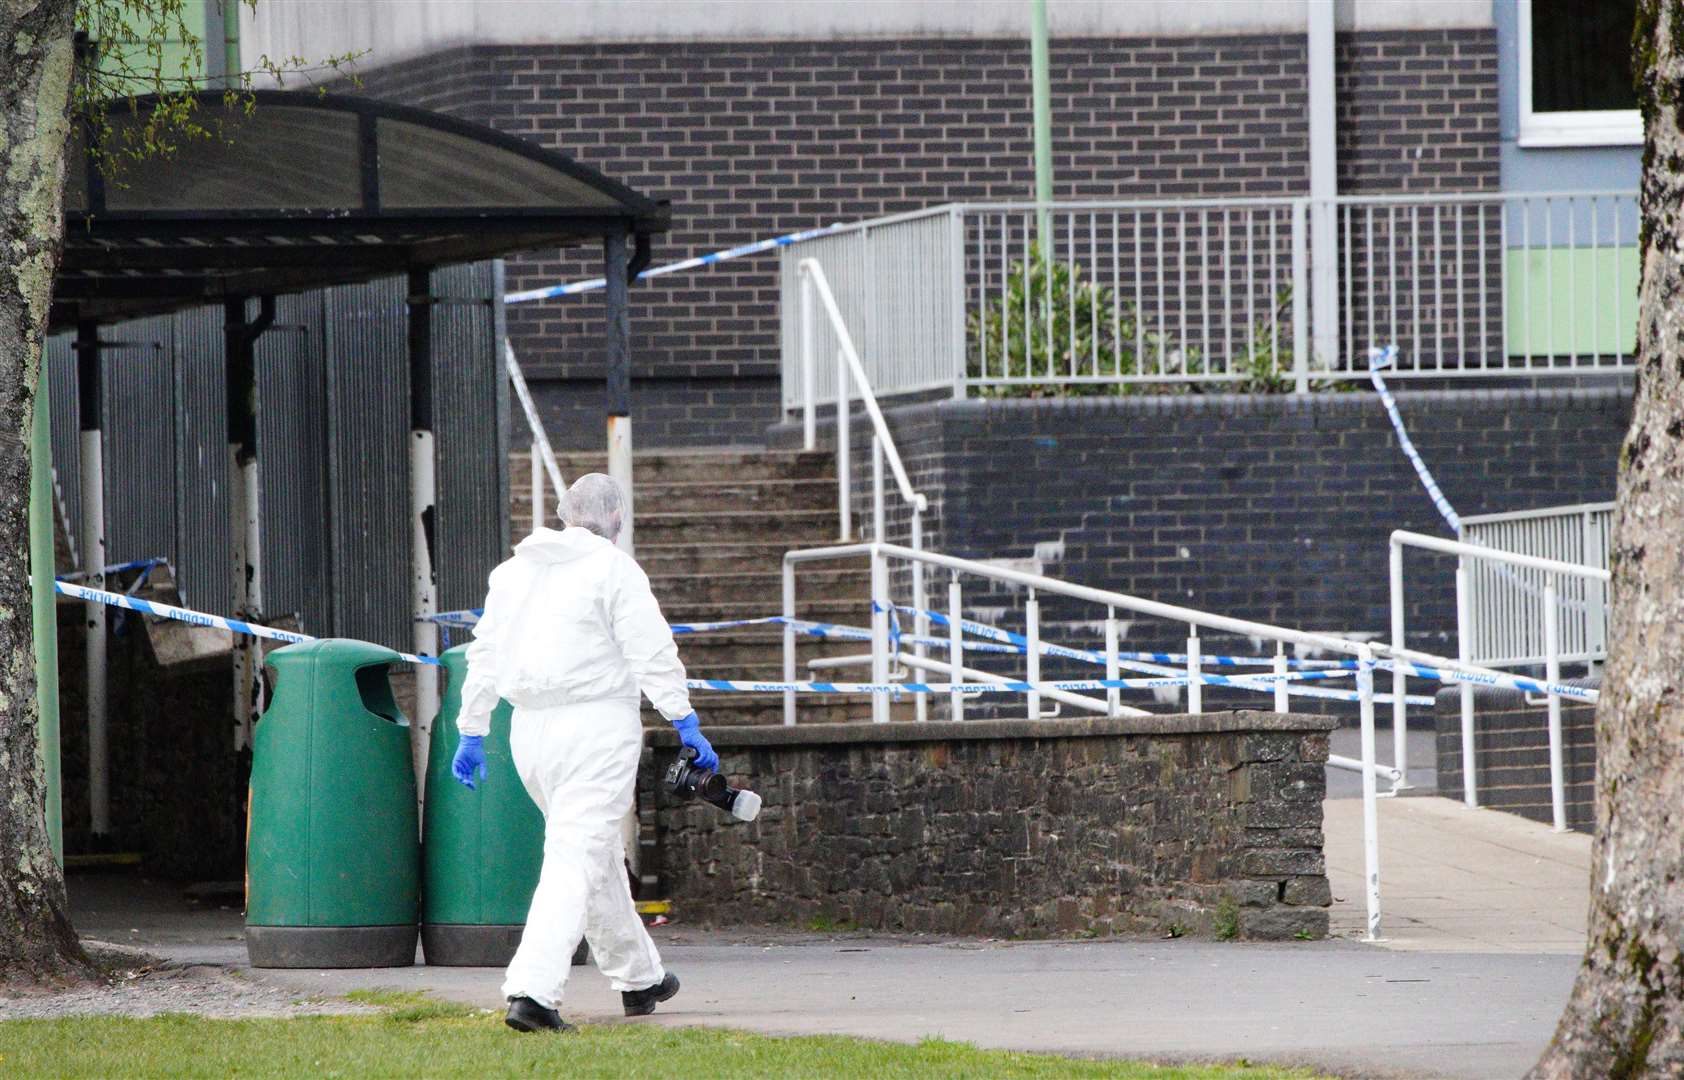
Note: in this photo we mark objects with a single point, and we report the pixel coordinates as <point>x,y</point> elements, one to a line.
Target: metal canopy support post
<point>42,559</point>
<point>90,392</point>
<point>617,349</point>
<point>1324,186</point>
<point>1400,682</point>
<point>245,504</point>
<point>423,500</point>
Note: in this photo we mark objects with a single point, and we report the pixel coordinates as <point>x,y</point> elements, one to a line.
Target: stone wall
<point>751,139</point>
<point>1512,753</point>
<point>1204,824</point>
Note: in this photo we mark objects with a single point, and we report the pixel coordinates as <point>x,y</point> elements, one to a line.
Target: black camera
<point>687,781</point>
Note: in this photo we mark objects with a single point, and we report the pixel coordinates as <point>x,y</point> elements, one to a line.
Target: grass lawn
<point>414,1037</point>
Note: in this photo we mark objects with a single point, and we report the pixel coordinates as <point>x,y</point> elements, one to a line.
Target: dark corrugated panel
<point>291,422</point>
<point>204,558</point>
<point>67,453</point>
<point>467,381</point>
<point>368,416</point>
<point>138,440</point>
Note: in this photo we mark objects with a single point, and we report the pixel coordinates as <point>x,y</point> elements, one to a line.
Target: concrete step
<point>719,658</point>
<point>793,528</point>
<point>726,710</point>
<point>757,588</point>
<point>669,466</point>
<point>853,610</point>
<point>662,559</point>
<point>706,496</point>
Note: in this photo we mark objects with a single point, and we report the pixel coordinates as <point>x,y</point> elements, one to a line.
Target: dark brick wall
<point>1269,507</point>
<point>1207,824</point>
<point>756,139</point>
<point>1512,754</point>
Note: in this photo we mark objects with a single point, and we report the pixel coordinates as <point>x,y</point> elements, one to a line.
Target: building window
<point>1575,73</point>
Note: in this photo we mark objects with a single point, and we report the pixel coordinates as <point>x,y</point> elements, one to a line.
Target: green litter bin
<point>482,849</point>
<point>333,858</point>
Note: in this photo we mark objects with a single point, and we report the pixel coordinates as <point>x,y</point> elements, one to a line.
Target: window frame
<point>1582,127</point>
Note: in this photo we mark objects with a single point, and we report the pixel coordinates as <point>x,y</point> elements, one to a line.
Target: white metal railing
<point>976,298</point>
<point>1369,656</point>
<point>1550,574</point>
<point>852,377</point>
<point>1505,617</point>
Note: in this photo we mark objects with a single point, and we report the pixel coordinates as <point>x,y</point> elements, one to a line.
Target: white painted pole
<point>1324,304</point>
<point>809,393</point>
<point>239,571</point>
<point>93,564</point>
<point>1464,650</point>
<point>955,642</point>
<point>538,496</point>
<point>1283,702</point>
<point>1032,654</point>
<point>1370,800</point>
<point>620,469</point>
<point>789,641</point>
<point>1400,707</point>
<point>843,465</point>
<point>1113,669</point>
<point>1552,675</point>
<point>251,481</point>
<point>423,594</point>
<point>1195,671</point>
<point>920,621</point>
<point>879,635</point>
<point>877,508</point>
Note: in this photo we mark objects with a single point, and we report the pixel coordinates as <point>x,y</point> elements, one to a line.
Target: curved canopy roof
<point>306,190</point>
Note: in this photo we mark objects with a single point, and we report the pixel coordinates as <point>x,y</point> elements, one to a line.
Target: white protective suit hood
<point>570,620</point>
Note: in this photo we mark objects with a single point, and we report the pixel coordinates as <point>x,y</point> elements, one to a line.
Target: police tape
<point>115,568</point>
<point>1499,679</point>
<point>1010,686</point>
<point>1379,359</point>
<point>199,618</point>
<point>552,291</point>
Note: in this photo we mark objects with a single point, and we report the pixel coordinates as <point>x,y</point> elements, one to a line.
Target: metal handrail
<point>1465,551</point>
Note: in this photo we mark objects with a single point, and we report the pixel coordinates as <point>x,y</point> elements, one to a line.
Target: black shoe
<point>642,1002</point>
<point>527,1015</point>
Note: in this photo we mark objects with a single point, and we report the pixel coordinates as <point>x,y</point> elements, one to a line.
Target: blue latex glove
<point>690,734</point>
<point>470,756</point>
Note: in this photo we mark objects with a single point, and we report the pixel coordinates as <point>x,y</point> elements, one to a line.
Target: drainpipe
<point>245,503</point>
<point>1042,95</point>
<point>423,499</point>
<point>90,394</point>
<point>1324,185</point>
<point>42,557</point>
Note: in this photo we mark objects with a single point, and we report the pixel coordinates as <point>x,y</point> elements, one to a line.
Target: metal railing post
<point>537,488</point>
<point>1195,672</point>
<point>920,620</point>
<point>956,328</point>
<point>877,508</point>
<point>1400,706</point>
<point>1300,297</point>
<point>1032,652</point>
<point>1552,675</point>
<point>844,464</point>
<point>1113,670</point>
<point>955,644</point>
<point>1370,807</point>
<point>809,405</point>
<point>1283,703</point>
<point>879,634</point>
<point>1464,654</point>
<point>789,640</point>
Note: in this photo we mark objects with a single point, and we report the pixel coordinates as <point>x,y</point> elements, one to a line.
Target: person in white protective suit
<point>570,635</point>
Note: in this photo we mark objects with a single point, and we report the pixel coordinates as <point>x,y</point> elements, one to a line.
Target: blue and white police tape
<point>199,618</point>
<point>1489,678</point>
<point>115,568</point>
<point>1379,359</point>
<point>1004,686</point>
<point>755,248</point>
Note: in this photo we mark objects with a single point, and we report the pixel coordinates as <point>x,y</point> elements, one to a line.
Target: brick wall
<point>756,139</point>
<point>1512,753</point>
<point>1199,824</point>
<point>1276,508</point>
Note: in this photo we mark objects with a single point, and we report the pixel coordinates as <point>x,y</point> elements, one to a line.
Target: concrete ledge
<point>1214,723</point>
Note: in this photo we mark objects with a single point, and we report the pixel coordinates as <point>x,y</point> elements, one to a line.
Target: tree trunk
<point>1626,1015</point>
<point>37,943</point>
